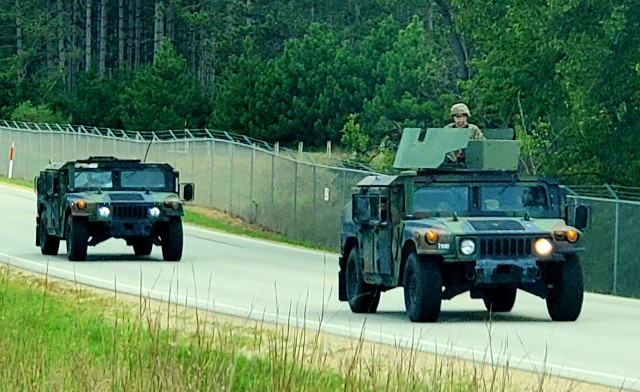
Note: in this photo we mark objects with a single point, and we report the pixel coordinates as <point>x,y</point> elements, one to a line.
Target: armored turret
<point>427,149</point>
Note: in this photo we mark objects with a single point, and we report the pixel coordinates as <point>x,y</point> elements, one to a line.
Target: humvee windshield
<point>151,179</point>
<point>93,179</point>
<point>147,179</point>
<point>494,198</point>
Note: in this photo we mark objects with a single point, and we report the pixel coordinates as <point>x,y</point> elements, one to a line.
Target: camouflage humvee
<point>89,201</point>
<point>445,229</point>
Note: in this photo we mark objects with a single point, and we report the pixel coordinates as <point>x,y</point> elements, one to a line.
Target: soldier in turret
<point>459,114</point>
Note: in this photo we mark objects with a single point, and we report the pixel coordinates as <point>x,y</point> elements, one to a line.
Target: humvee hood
<point>120,196</point>
<point>482,225</point>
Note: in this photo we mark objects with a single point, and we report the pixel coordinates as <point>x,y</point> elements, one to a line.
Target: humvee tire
<point>500,299</point>
<point>564,301</point>
<point>422,283</point>
<point>142,247</point>
<point>49,245</point>
<point>77,237</point>
<point>363,297</point>
<point>172,240</point>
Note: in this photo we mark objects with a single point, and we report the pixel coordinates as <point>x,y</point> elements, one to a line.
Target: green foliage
<point>236,92</point>
<point>564,72</point>
<point>28,112</point>
<point>407,82</point>
<point>353,138</point>
<point>163,96</point>
<point>382,161</point>
<point>97,100</point>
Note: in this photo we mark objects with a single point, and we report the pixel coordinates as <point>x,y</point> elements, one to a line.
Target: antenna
<point>153,135</point>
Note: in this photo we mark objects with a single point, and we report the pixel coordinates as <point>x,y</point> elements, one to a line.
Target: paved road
<point>246,277</point>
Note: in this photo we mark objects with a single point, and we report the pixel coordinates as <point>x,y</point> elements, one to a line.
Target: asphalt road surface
<point>263,280</point>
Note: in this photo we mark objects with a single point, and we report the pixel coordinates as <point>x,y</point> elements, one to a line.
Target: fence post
<point>615,239</point>
<point>11,152</point>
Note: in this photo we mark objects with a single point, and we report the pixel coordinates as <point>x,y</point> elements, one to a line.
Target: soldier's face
<point>460,120</point>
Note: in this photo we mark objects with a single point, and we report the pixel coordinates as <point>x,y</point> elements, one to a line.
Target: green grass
<point>55,337</point>
<point>201,220</point>
<point>19,182</point>
<point>67,341</point>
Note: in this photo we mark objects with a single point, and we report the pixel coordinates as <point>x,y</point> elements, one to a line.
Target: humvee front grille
<point>505,246</point>
<point>130,211</point>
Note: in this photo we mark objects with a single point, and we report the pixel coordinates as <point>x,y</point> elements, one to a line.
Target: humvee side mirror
<point>360,208</point>
<point>188,191</point>
<point>577,216</point>
<point>581,217</point>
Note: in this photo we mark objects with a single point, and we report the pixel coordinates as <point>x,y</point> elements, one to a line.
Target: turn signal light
<point>431,237</point>
<point>572,236</point>
<point>81,204</point>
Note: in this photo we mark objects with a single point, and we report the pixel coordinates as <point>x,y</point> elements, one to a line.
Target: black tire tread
<point>362,297</point>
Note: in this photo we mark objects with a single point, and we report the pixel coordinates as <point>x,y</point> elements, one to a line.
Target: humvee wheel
<point>77,237</point>
<point>142,247</point>
<point>172,241</point>
<point>422,283</point>
<point>500,299</point>
<point>49,244</point>
<point>363,297</point>
<point>564,301</point>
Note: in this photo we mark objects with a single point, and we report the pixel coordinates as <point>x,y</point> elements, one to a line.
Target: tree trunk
<point>87,37</point>
<point>456,41</point>
<point>103,39</point>
<point>158,27</point>
<point>19,45</point>
<point>121,36</point>
<point>62,34</point>
<point>73,45</point>
<point>130,32</point>
<point>138,35</point>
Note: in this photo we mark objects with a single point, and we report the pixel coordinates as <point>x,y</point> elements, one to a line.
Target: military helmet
<point>460,108</point>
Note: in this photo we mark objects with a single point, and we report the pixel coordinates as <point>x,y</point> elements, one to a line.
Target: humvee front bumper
<point>493,271</point>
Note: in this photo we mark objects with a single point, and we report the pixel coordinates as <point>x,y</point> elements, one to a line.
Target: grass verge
<point>57,336</point>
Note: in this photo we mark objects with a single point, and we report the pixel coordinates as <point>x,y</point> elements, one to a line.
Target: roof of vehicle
<point>95,162</point>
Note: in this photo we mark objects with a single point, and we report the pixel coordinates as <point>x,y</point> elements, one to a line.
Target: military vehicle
<point>86,202</point>
<point>439,229</point>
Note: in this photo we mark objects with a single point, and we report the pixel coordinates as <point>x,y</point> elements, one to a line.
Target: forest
<point>564,73</point>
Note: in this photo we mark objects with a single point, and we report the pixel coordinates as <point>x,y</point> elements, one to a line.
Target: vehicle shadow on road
<point>471,316</point>
<point>112,257</point>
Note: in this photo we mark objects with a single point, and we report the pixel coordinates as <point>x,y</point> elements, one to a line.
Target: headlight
<point>104,212</point>
<point>467,247</point>
<point>154,212</point>
<point>543,247</point>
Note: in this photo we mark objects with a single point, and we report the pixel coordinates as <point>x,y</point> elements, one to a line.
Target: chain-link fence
<point>275,189</point>
<point>258,182</point>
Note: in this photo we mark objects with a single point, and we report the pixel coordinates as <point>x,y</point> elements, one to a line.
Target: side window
<point>369,208</point>
<point>384,209</point>
<point>361,209</point>
<point>56,185</point>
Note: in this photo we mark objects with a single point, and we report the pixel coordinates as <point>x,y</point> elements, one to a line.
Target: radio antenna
<point>153,136</point>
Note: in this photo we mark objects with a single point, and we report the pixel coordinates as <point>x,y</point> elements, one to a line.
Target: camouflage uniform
<point>474,132</point>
